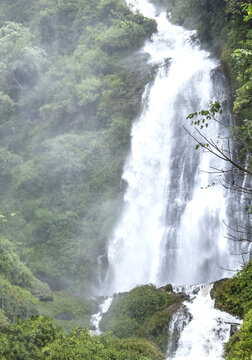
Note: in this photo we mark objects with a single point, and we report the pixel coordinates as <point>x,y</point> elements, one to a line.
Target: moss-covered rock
<point>144,312</point>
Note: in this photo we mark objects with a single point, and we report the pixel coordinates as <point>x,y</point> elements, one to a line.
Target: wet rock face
<point>233,329</point>
<point>182,296</point>
<point>179,320</point>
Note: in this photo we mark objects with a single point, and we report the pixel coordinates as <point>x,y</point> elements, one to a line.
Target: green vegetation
<point>67,101</point>
<point>143,312</point>
<point>15,302</point>
<point>19,289</point>
<point>38,338</point>
<point>68,96</point>
<point>235,296</point>
<point>68,310</point>
<point>14,271</point>
<point>239,346</point>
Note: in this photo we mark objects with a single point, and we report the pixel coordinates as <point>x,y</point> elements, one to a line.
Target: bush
<point>235,295</point>
<point>239,346</point>
<point>15,302</point>
<point>38,339</point>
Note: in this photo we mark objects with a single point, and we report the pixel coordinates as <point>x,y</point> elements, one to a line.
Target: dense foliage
<point>144,312</point>
<point>70,87</point>
<point>19,289</point>
<point>13,270</point>
<point>235,296</point>
<point>39,339</point>
<point>239,346</point>
<point>68,95</point>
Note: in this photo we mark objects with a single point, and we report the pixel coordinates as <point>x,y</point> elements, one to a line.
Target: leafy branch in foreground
<point>236,174</point>
<point>216,147</point>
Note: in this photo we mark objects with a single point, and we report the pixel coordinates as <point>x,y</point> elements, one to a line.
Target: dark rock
<point>196,290</point>
<point>183,296</point>
<point>166,288</point>
<point>233,329</point>
<point>45,298</point>
<point>194,39</point>
<point>166,63</point>
<point>179,320</point>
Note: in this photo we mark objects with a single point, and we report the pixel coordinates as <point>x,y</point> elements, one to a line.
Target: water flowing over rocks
<point>171,229</point>
<point>167,215</point>
<point>202,329</point>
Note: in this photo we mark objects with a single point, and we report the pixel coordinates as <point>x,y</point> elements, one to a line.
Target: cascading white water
<point>96,318</point>
<point>170,229</point>
<point>203,337</point>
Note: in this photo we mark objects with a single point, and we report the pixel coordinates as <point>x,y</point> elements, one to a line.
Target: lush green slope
<point>136,321</point>
<point>19,289</point>
<point>68,95</point>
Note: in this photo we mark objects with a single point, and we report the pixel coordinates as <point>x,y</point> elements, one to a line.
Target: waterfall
<point>202,337</point>
<point>171,227</point>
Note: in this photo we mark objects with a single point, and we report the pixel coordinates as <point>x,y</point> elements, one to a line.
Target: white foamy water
<point>203,337</point>
<point>170,229</point>
<point>96,318</point>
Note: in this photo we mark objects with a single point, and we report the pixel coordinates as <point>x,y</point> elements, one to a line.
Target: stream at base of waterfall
<point>203,331</point>
<point>171,227</point>
<point>197,331</point>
